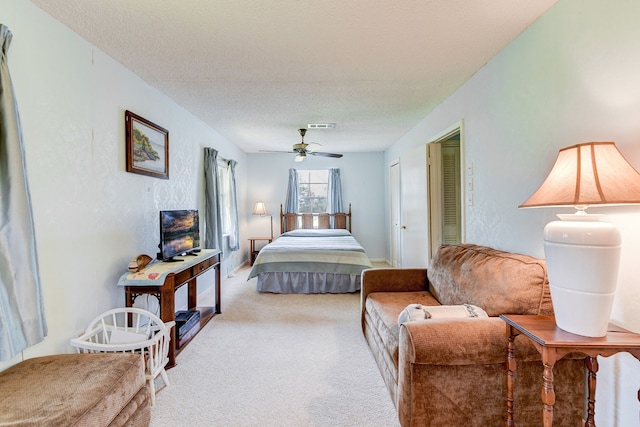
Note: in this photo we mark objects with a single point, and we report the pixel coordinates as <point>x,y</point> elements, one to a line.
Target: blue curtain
<point>291,203</point>
<point>234,237</point>
<point>334,194</point>
<point>213,216</point>
<point>22,318</point>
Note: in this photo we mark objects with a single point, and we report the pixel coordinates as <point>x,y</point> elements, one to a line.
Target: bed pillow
<point>414,312</point>
<point>317,232</point>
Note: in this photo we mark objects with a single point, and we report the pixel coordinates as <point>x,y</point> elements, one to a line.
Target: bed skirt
<point>307,283</point>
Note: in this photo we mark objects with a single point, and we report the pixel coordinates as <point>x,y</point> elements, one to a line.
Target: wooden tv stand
<point>179,274</point>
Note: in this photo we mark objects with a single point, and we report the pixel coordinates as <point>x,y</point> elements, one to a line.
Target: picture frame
<point>147,147</point>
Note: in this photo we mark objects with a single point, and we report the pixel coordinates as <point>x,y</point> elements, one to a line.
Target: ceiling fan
<point>302,149</point>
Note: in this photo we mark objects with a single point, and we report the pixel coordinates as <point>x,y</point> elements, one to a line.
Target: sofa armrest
<point>391,280</point>
<point>464,341</point>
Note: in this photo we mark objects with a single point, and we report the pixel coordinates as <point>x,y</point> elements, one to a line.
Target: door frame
<point>434,202</point>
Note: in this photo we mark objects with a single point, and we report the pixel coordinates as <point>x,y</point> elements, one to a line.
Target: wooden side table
<point>253,252</point>
<point>179,274</point>
<point>553,344</point>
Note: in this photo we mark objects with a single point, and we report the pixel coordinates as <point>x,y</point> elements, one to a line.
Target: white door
<point>396,235</point>
<point>414,218</point>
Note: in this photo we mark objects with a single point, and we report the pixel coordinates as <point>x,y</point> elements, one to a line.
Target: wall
<point>362,180</point>
<point>91,216</point>
<point>571,77</point>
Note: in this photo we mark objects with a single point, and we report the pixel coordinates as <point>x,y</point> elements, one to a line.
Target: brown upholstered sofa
<point>452,371</point>
<point>92,390</point>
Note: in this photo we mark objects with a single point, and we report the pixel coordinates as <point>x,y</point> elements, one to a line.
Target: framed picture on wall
<point>147,146</point>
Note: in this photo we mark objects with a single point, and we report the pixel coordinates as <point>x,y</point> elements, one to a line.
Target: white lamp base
<point>582,313</point>
<point>583,255</point>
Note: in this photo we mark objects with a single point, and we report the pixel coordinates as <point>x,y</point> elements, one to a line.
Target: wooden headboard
<point>293,221</point>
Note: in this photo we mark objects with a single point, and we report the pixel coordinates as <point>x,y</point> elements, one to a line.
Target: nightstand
<point>253,252</point>
<point>553,344</point>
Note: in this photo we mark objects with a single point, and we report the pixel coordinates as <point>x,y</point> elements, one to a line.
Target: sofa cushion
<point>499,282</point>
<point>382,310</point>
<point>72,389</point>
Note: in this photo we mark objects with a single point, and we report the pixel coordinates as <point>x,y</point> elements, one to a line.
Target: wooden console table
<point>163,279</point>
<point>553,344</point>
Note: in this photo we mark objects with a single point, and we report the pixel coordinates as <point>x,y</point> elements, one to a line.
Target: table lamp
<point>261,209</point>
<point>581,250</point>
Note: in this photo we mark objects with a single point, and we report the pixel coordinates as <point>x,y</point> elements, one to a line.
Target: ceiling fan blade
<point>313,146</point>
<point>276,151</point>
<point>318,153</point>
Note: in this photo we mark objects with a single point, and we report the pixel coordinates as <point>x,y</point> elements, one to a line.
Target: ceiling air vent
<point>321,126</point>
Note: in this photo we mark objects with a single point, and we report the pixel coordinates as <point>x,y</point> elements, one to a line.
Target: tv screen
<point>179,233</point>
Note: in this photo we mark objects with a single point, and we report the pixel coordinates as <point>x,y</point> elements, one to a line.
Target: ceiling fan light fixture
<point>300,157</point>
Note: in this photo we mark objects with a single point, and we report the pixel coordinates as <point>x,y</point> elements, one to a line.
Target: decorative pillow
<point>414,312</point>
<point>126,337</point>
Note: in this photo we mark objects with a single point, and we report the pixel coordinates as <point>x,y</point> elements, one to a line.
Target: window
<point>224,178</point>
<point>312,191</point>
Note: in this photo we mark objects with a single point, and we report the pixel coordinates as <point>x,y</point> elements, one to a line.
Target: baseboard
<point>233,272</point>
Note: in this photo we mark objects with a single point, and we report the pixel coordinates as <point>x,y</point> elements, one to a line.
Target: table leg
<point>218,306</point>
<point>548,393</point>
<point>167,314</point>
<point>592,367</point>
<point>192,294</point>
<point>511,372</point>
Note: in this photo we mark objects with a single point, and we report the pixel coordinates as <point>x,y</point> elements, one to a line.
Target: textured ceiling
<point>257,70</point>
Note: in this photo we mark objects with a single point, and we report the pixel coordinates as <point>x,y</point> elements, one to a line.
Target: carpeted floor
<point>277,360</point>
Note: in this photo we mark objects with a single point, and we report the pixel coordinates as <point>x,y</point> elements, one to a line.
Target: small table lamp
<point>261,209</point>
<point>582,252</point>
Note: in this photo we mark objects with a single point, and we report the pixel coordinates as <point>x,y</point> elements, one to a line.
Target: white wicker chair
<point>130,330</point>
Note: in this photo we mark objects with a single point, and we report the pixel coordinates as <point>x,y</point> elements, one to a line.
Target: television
<point>179,234</point>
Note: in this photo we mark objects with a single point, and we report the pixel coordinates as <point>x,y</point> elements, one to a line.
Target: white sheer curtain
<point>291,202</point>
<point>234,233</point>
<point>22,318</point>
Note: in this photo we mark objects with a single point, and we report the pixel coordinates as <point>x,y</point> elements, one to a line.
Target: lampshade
<point>593,173</point>
<point>260,209</point>
<point>581,250</point>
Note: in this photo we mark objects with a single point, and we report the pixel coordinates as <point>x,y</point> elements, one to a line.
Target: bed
<point>316,253</point>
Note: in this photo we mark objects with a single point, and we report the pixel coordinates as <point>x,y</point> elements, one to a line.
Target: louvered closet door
<point>451,219</point>
<point>444,194</point>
